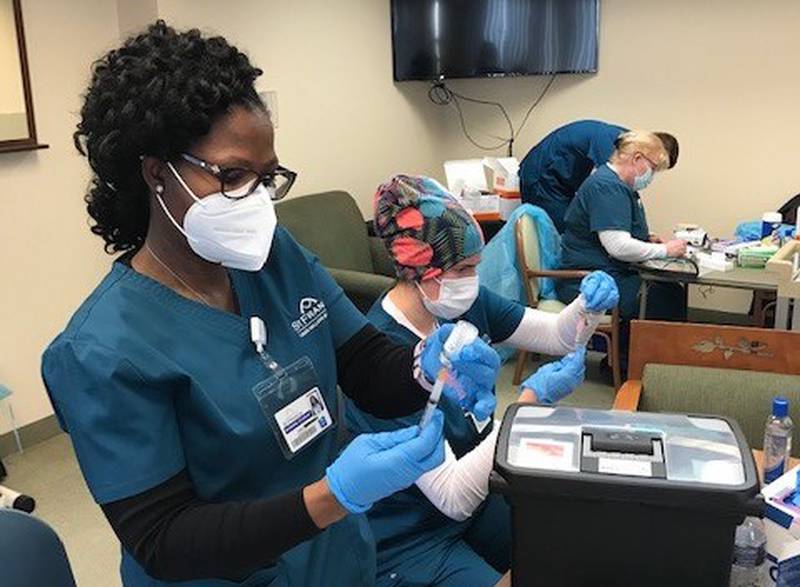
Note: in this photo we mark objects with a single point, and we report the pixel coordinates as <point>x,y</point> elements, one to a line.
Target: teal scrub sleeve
<point>123,429</point>
<point>609,207</point>
<point>504,315</point>
<point>344,318</point>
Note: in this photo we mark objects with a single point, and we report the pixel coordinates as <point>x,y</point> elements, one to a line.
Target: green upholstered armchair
<point>708,369</point>
<point>330,225</point>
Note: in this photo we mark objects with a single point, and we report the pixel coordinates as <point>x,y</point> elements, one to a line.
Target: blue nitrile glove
<point>375,466</point>
<point>600,291</point>
<point>556,380</point>
<point>475,369</point>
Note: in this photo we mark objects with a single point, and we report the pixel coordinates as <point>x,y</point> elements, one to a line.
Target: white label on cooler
<point>544,453</point>
<point>624,467</point>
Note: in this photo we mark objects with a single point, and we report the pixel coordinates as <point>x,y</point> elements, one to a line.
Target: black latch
<point>622,441</point>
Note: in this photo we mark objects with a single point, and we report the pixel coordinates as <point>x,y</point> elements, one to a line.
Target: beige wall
<point>720,74</point>
<point>343,123</point>
<point>12,98</point>
<point>49,260</point>
<point>135,15</point>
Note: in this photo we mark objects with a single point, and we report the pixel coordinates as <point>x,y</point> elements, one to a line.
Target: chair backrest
<point>528,257</point>
<point>31,553</point>
<point>711,345</point>
<point>331,226</point>
<point>745,396</point>
<point>732,371</point>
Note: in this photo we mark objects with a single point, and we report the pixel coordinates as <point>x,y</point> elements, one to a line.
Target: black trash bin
<point>611,498</point>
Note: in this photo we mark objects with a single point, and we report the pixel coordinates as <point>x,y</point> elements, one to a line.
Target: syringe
<point>462,335</point>
<point>587,324</point>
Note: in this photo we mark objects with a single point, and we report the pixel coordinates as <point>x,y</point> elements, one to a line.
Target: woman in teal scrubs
<point>435,245</point>
<point>198,381</point>
<point>607,230</point>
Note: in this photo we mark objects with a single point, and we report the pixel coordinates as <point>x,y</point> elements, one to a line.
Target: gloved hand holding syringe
<point>462,335</point>
<point>599,293</point>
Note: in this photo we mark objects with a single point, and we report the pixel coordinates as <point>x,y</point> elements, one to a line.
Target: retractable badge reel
<point>290,397</point>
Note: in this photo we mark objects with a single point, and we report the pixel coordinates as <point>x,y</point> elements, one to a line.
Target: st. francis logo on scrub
<point>312,313</point>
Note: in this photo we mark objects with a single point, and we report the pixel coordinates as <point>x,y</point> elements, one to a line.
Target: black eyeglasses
<point>238,182</point>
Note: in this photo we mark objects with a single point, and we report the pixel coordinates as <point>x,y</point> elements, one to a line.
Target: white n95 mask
<point>235,233</point>
<point>456,296</point>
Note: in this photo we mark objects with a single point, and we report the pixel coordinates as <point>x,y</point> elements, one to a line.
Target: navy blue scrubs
<point>555,168</point>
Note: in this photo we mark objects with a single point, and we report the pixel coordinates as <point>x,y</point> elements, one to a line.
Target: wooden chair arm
<point>627,398</point>
<point>558,273</point>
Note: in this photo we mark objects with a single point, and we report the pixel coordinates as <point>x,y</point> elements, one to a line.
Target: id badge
<point>294,406</point>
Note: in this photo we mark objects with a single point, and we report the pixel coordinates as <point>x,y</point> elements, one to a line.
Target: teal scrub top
<point>147,383</point>
<point>406,524</point>
<point>603,202</point>
<point>555,168</point>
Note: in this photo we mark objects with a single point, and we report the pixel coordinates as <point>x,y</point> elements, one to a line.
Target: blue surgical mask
<point>642,181</point>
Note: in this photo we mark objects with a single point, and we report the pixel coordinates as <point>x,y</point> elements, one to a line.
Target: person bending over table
<point>606,228</point>
<point>555,168</point>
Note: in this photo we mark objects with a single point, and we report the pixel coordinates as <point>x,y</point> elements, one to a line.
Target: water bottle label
<point>776,449</point>
<point>771,474</point>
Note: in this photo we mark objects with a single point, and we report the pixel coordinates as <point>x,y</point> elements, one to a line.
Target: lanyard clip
<point>258,335</point>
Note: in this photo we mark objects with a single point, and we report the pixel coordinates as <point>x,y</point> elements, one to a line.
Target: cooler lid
<point>701,450</point>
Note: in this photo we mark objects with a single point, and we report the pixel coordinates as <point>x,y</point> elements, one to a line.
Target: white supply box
<point>782,523</point>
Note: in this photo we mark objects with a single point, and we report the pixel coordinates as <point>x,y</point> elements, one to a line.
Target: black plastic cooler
<point>606,498</point>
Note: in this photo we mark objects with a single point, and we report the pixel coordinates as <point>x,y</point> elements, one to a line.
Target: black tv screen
<point>440,39</point>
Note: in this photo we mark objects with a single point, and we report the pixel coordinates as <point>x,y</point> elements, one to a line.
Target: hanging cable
<point>535,104</point>
<point>441,95</point>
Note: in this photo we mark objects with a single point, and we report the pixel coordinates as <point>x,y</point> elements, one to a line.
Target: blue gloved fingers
<point>478,362</point>
<point>484,406</point>
<point>481,375</point>
<point>589,286</point>
<point>423,444</point>
<point>575,364</point>
<point>598,298</point>
<point>556,380</point>
<point>600,291</point>
<point>609,297</point>
<point>611,292</point>
<point>366,471</point>
<point>480,351</point>
<point>436,456</point>
<point>387,440</point>
<point>430,360</point>
<point>574,360</point>
<point>578,356</point>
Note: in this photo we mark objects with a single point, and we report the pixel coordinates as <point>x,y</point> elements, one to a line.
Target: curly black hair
<point>156,95</point>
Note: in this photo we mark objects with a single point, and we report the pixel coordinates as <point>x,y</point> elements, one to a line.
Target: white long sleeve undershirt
<point>458,486</point>
<point>546,332</point>
<point>621,245</point>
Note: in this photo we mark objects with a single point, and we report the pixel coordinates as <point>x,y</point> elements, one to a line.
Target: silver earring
<point>159,189</point>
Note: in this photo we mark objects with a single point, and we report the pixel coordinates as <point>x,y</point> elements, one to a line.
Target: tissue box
<point>782,523</point>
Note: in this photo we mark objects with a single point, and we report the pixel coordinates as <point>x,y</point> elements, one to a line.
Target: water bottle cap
<point>780,407</point>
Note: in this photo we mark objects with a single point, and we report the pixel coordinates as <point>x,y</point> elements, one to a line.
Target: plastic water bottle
<point>750,567</point>
<point>777,440</point>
